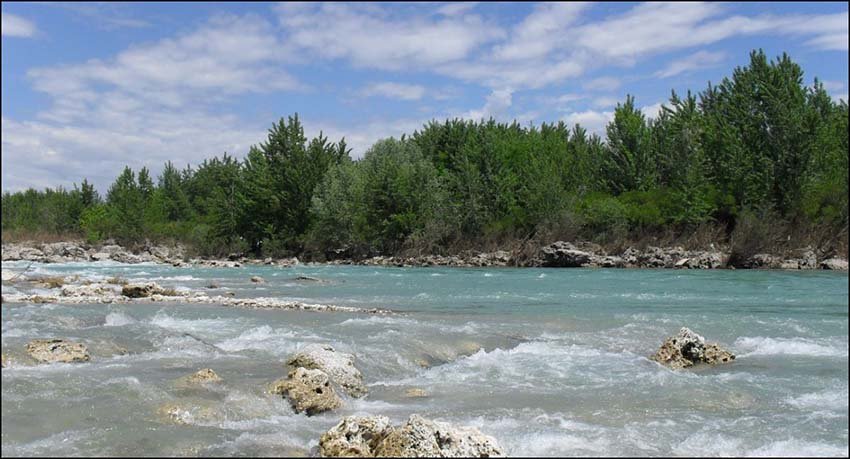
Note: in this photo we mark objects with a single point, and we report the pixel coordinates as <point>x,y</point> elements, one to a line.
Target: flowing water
<point>549,362</point>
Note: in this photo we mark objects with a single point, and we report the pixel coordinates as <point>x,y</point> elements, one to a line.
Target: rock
<point>5,361</point>
<point>835,264</point>
<point>564,255</point>
<point>354,436</point>
<point>373,436</point>
<point>308,390</point>
<point>57,350</point>
<point>213,285</point>
<point>687,349</point>
<point>714,354</point>
<point>125,257</point>
<point>338,366</point>
<point>99,256</point>
<point>420,437</point>
<point>257,279</point>
<point>96,289</point>
<point>200,377</point>
<point>610,262</point>
<point>415,392</point>
<point>143,290</point>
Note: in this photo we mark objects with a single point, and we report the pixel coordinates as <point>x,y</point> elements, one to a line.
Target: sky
<point>88,88</point>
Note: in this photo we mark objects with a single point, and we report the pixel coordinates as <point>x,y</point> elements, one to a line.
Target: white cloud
<point>652,111</point>
<point>393,90</point>
<point>697,61</point>
<point>593,121</point>
<point>148,104</point>
<point>606,101</point>
<point>602,84</point>
<point>496,105</point>
<point>454,9</point>
<point>368,37</point>
<point>16,26</point>
<point>540,32</point>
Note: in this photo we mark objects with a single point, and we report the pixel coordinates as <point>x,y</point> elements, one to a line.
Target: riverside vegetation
<point>755,164</point>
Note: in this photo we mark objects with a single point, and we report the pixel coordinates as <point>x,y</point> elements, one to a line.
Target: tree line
<point>759,150</point>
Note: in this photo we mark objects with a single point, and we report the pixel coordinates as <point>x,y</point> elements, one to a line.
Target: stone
<point>257,279</point>
<point>142,290</point>
<point>564,255</point>
<point>99,256</point>
<point>688,349</point>
<point>373,436</point>
<point>339,366</point>
<point>200,377</point>
<point>354,436</point>
<point>420,437</point>
<point>95,289</point>
<point>714,354</point>
<point>308,391</point>
<point>57,350</point>
<point>835,264</point>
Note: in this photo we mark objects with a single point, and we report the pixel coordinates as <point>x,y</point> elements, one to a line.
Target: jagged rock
<point>308,390</point>
<point>95,289</point>
<point>57,350</point>
<point>420,437</point>
<point>257,279</point>
<point>354,436</point>
<point>143,290</point>
<point>835,264</point>
<point>687,349</point>
<point>373,436</point>
<point>715,354</point>
<point>338,365</point>
<point>564,255</point>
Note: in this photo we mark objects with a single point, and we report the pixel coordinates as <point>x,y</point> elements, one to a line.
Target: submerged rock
<point>372,436</point>
<point>415,392</point>
<point>185,413</point>
<point>57,350</point>
<point>200,377</point>
<point>687,349</point>
<point>308,390</point>
<point>354,436</point>
<point>339,366</point>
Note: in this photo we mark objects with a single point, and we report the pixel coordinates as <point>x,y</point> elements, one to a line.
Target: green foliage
<point>758,145</point>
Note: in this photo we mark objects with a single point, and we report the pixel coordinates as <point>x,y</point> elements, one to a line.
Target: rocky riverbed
<point>559,254</point>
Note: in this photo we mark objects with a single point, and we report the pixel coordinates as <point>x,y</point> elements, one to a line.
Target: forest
<point>757,162</point>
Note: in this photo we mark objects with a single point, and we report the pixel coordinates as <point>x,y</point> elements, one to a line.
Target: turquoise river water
<point>548,361</point>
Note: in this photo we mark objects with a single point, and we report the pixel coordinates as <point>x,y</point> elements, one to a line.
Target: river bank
<point>558,254</point>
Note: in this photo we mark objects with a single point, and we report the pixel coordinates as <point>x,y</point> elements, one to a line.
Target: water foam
<point>761,346</point>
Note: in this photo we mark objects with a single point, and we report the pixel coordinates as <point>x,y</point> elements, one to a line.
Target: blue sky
<point>88,88</point>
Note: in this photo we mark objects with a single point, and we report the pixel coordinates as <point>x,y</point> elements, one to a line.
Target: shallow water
<point>549,362</point>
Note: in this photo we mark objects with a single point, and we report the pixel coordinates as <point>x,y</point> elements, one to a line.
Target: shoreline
<point>556,255</point>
